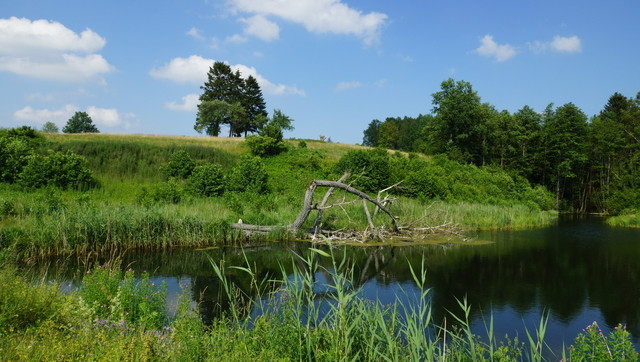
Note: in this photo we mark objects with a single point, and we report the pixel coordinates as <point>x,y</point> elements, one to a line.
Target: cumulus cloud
<point>41,116</point>
<point>560,44</point>
<point>489,48</point>
<point>566,44</point>
<point>184,70</point>
<point>319,16</point>
<point>261,27</point>
<point>109,117</point>
<point>104,117</point>
<point>189,104</point>
<point>236,39</point>
<point>194,70</point>
<point>343,86</point>
<point>49,50</point>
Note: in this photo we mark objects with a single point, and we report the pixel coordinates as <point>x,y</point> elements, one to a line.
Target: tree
<point>254,104</point>
<point>80,123</point>
<point>371,134</point>
<point>244,110</point>
<point>281,120</point>
<point>565,132</point>
<point>389,134</point>
<point>458,125</point>
<point>50,127</point>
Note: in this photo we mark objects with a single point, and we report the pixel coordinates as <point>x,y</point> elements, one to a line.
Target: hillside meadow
<point>134,203</point>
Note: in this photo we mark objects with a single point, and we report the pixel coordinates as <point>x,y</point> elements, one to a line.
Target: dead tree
<point>309,206</point>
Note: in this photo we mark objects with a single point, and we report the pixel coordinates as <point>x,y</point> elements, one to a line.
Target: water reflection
<point>578,271</point>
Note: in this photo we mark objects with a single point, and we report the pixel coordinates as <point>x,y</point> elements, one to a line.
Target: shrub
<point>249,174</point>
<point>207,180</point>
<point>302,144</point>
<point>180,165</point>
<point>14,155</point>
<point>63,170</point>
<point>268,142</point>
<point>371,168</point>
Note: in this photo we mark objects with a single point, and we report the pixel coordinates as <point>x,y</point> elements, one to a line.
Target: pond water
<point>577,271</point>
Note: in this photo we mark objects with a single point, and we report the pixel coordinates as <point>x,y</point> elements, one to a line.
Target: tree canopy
<point>228,99</point>
<point>80,122</point>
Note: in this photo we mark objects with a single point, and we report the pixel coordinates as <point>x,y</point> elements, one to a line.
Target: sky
<point>331,65</point>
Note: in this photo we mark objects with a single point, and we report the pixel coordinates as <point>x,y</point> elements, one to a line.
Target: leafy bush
<point>63,170</point>
<point>180,165</point>
<point>370,169</point>
<point>207,180</point>
<point>302,144</point>
<point>268,142</point>
<point>16,145</point>
<point>249,174</point>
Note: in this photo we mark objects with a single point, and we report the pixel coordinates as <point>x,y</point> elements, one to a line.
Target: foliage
<point>593,345</point>
<point>248,174</point>
<point>180,165</point>
<point>80,122</point>
<point>207,180</point>
<point>229,99</point>
<point>16,145</point>
<point>370,168</point>
<point>112,296</point>
<point>63,170</point>
<point>50,127</point>
<point>24,305</point>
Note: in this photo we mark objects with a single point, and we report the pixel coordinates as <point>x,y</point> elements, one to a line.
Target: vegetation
<point>590,165</point>
<point>113,316</point>
<point>80,122</point>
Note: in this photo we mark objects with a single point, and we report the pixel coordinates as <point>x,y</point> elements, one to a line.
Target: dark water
<point>578,271</point>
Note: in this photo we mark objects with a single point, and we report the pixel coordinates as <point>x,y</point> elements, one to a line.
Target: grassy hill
<point>136,206</point>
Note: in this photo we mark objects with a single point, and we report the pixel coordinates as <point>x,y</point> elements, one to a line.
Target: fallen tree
<point>372,232</point>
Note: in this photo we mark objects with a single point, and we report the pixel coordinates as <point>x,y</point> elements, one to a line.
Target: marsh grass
<point>630,221</point>
<point>315,313</point>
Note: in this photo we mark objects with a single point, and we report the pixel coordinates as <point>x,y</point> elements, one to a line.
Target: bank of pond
<point>522,295</point>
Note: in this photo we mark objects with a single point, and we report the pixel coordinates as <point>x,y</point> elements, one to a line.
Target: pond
<point>577,271</point>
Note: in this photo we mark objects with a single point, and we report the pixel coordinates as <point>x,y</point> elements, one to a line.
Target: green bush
<point>370,169</point>
<point>248,175</point>
<point>268,142</point>
<point>14,155</point>
<point>207,180</point>
<point>180,165</point>
<point>62,170</point>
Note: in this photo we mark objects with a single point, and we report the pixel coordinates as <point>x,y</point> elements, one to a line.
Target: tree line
<point>590,164</point>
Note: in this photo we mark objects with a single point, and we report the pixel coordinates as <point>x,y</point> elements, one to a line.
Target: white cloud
<point>566,44</point>
<point>105,117</point>
<point>48,50</point>
<point>261,27</point>
<point>236,39</point>
<point>109,117</point>
<point>184,70</point>
<point>41,116</point>
<point>319,16</point>
<point>189,104</point>
<point>195,33</point>
<point>195,68</point>
<point>490,48</point>
<point>571,44</point>
<point>343,86</point>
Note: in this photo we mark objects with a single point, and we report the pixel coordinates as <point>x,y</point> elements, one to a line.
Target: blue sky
<point>331,65</point>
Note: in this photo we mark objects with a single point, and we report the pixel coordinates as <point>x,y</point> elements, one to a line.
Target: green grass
<point>630,221</point>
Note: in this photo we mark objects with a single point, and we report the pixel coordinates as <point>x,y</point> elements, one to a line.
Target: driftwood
<point>309,206</point>
<point>371,232</point>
